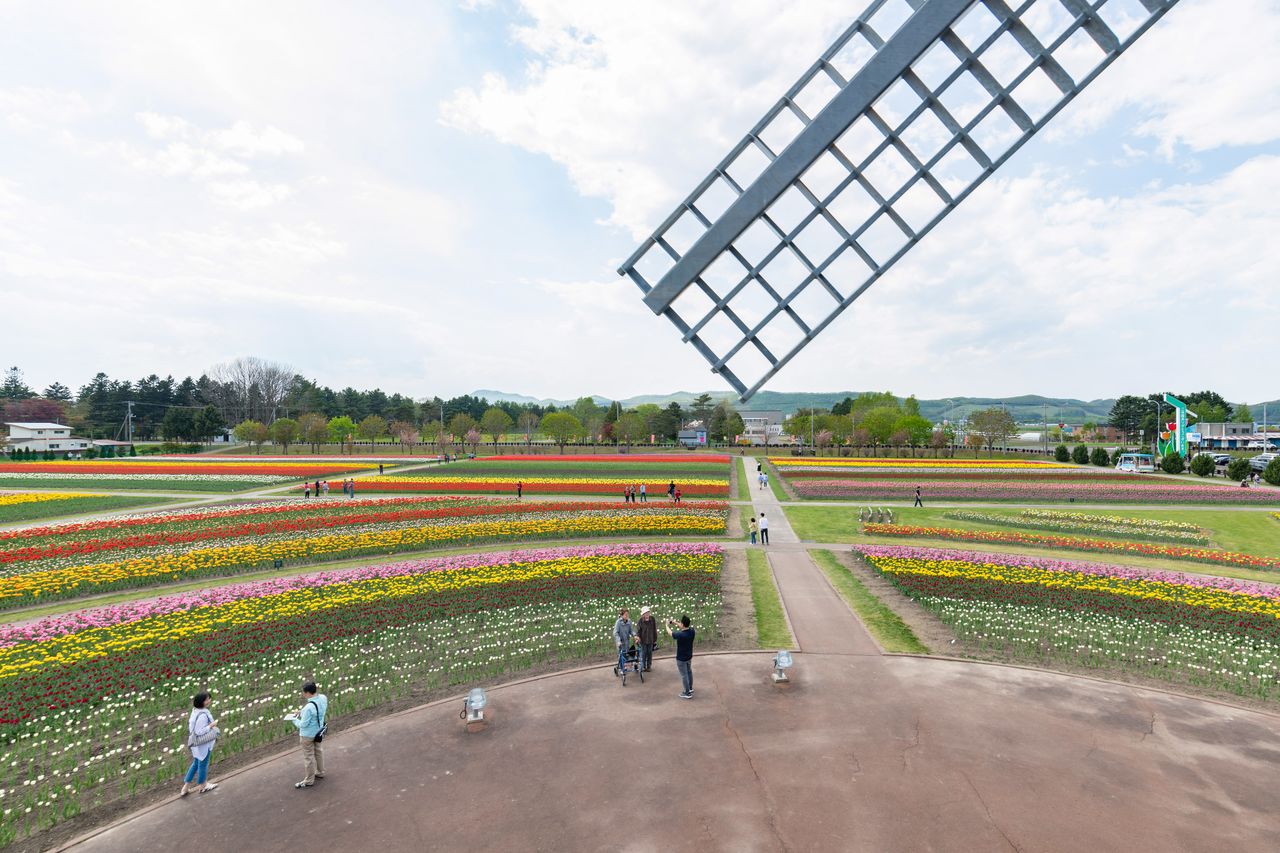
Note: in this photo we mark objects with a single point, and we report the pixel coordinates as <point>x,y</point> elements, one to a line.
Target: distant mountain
<point>1027,409</point>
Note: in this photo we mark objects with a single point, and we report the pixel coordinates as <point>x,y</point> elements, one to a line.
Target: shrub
<point>1272,472</point>
<point>1120,451</point>
<point>1202,465</point>
<point>1062,454</point>
<point>1238,469</point>
<point>1171,463</point>
<point>1100,457</point>
<point>1080,454</point>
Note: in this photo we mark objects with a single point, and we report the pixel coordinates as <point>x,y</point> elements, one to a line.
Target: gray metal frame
<point>947,92</point>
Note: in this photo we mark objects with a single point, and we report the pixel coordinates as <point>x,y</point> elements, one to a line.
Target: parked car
<point>1261,461</point>
<point>1219,458</point>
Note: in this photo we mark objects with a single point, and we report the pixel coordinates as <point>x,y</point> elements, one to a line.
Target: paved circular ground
<point>859,753</point>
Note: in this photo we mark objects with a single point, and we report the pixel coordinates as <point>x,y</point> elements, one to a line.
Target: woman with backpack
<point>203,733</point>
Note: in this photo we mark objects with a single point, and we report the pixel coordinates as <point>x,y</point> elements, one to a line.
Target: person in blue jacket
<point>310,720</point>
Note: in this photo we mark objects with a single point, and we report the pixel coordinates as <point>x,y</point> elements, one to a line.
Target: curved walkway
<point>859,753</point>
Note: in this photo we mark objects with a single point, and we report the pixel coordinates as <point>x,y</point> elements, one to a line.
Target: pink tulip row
<point>910,552</point>
<point>1014,490</point>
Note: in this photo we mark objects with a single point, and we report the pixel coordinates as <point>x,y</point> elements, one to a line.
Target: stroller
<point>629,661</point>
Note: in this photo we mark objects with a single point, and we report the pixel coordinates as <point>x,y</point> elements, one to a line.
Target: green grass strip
<point>771,622</point>
<point>889,630</point>
<point>744,489</point>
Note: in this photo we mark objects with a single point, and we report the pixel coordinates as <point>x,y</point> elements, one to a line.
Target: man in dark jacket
<point>647,632</point>
<point>683,634</point>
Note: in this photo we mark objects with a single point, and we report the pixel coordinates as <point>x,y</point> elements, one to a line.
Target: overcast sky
<point>432,197</point>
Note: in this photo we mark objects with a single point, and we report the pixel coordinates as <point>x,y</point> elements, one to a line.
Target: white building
<point>41,437</point>
<point>762,426</point>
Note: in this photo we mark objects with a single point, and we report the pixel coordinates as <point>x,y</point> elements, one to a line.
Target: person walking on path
<point>683,634</point>
<point>623,633</point>
<point>765,484</point>
<point>352,486</point>
<point>918,501</point>
<point>764,530</point>
<point>644,494</point>
<point>317,488</point>
<point>753,529</point>
<point>759,479</point>
<point>306,491</point>
<point>647,632</point>
<point>671,490</point>
<point>310,720</point>
<point>325,484</point>
<point>379,469</point>
<point>200,725</point>
<point>519,489</point>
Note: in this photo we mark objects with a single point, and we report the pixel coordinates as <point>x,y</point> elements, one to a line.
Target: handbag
<point>324,727</point>
<point>200,740</point>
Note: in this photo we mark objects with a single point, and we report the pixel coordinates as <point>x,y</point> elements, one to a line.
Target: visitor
<point>1244,484</point>
<point>683,634</point>
<point>644,494</point>
<point>306,491</point>
<point>379,469</point>
<point>325,484</point>
<point>764,530</point>
<point>759,479</point>
<point>200,725</point>
<point>519,489</point>
<point>310,720</point>
<point>623,633</point>
<point>671,490</point>
<point>317,489</point>
<point>753,529</point>
<point>679,494</point>
<point>918,502</point>
<point>647,633</point>
<point>353,487</point>
<point>626,494</point>
<point>766,479</point>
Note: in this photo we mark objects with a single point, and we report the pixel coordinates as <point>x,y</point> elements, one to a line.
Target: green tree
<point>1272,472</point>
<point>372,428</point>
<point>630,428</point>
<point>340,429</point>
<point>1061,453</point>
<point>284,432</point>
<point>496,423</point>
<point>994,425</point>
<point>866,403</point>
<point>918,429</point>
<point>14,386</point>
<point>313,429</point>
<point>178,424</point>
<point>461,424</point>
<point>1173,463</point>
<point>1080,454</point>
<point>405,433</point>
<point>1202,465</point>
<point>561,427</point>
<point>701,407</point>
<point>1128,414</point>
<point>433,433</point>
<point>1238,469</point>
<point>528,423</point>
<point>58,391</point>
<point>1100,457</point>
<point>1243,414</point>
<point>209,423</point>
<point>249,431</point>
<point>880,423</point>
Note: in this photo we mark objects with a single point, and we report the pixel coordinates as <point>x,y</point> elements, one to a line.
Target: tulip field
<point>1079,543</point>
<point>28,506</point>
<point>69,561</point>
<point>695,476</point>
<point>93,705</point>
<point>178,474</point>
<point>1211,632</point>
<point>998,481</point>
<point>1157,530</point>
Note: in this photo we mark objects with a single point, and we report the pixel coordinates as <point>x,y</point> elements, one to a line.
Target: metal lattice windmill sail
<point>913,107</point>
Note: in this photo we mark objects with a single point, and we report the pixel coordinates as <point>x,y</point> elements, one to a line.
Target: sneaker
<point>686,695</point>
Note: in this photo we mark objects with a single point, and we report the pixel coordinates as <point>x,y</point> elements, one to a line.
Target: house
<point>692,437</point>
<point>44,437</point>
<point>763,426</point>
<point>1230,436</point>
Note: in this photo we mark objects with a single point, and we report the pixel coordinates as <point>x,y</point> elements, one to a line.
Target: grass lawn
<point>741,475</point>
<point>771,623</point>
<point>71,506</point>
<point>1247,531</point>
<point>775,483</point>
<point>890,631</point>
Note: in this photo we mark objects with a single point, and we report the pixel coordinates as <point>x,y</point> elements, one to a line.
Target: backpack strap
<point>319,716</point>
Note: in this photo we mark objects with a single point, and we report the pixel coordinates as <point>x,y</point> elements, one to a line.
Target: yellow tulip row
<point>35,584</point>
<point>34,497</point>
<point>306,602</point>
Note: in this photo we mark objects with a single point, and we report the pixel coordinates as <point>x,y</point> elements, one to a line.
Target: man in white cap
<point>647,634</point>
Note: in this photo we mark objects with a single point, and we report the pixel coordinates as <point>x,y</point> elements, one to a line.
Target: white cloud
<point>242,139</point>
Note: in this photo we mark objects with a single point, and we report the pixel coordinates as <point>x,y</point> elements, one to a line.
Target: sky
<point>434,197</point>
